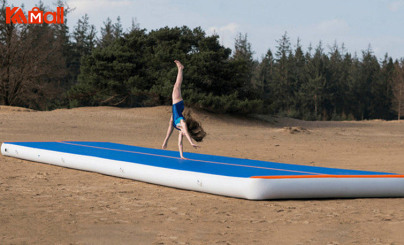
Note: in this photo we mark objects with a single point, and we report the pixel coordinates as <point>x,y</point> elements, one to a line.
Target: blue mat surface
<point>209,164</point>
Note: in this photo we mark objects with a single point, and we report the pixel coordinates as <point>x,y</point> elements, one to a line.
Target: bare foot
<point>179,65</point>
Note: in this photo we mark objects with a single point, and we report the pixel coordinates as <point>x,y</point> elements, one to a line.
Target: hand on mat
<point>164,146</point>
<point>196,146</point>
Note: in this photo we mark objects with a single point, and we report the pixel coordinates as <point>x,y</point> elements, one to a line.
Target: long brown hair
<point>194,127</point>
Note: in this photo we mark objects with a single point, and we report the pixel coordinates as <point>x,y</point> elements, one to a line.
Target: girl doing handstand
<point>187,126</point>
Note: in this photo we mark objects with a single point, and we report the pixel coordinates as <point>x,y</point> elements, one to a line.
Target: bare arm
<point>185,130</point>
<point>169,132</point>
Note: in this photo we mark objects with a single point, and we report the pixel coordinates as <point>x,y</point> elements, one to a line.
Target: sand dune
<point>43,204</point>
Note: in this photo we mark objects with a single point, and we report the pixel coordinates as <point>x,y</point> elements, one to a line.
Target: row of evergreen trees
<point>328,85</point>
<point>47,66</point>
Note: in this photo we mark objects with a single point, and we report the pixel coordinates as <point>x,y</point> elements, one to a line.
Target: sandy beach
<point>44,204</point>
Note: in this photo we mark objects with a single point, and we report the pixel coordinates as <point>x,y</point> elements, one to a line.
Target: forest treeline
<point>49,66</point>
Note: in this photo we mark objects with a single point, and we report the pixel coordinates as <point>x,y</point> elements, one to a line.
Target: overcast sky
<point>356,23</point>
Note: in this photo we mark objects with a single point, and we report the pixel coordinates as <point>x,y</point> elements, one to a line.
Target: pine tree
<point>70,57</point>
<point>382,105</point>
<point>134,26</point>
<point>336,85</point>
<point>117,28</point>
<point>398,88</point>
<point>83,43</point>
<point>265,73</point>
<point>296,78</point>
<point>107,34</point>
<point>244,66</point>
<point>84,36</point>
<point>281,84</point>
<point>314,90</point>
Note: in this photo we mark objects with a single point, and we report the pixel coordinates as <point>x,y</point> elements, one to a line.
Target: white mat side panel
<point>329,188</point>
<point>209,183</point>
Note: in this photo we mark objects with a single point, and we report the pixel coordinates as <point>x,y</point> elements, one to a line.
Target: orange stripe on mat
<point>326,176</point>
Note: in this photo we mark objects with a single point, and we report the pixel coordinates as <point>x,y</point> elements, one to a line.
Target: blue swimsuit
<point>178,108</point>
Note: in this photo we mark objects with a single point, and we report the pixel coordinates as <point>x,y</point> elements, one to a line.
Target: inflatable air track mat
<point>227,176</point>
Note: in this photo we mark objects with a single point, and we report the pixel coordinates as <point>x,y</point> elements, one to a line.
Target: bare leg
<point>177,86</point>
<point>180,146</point>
